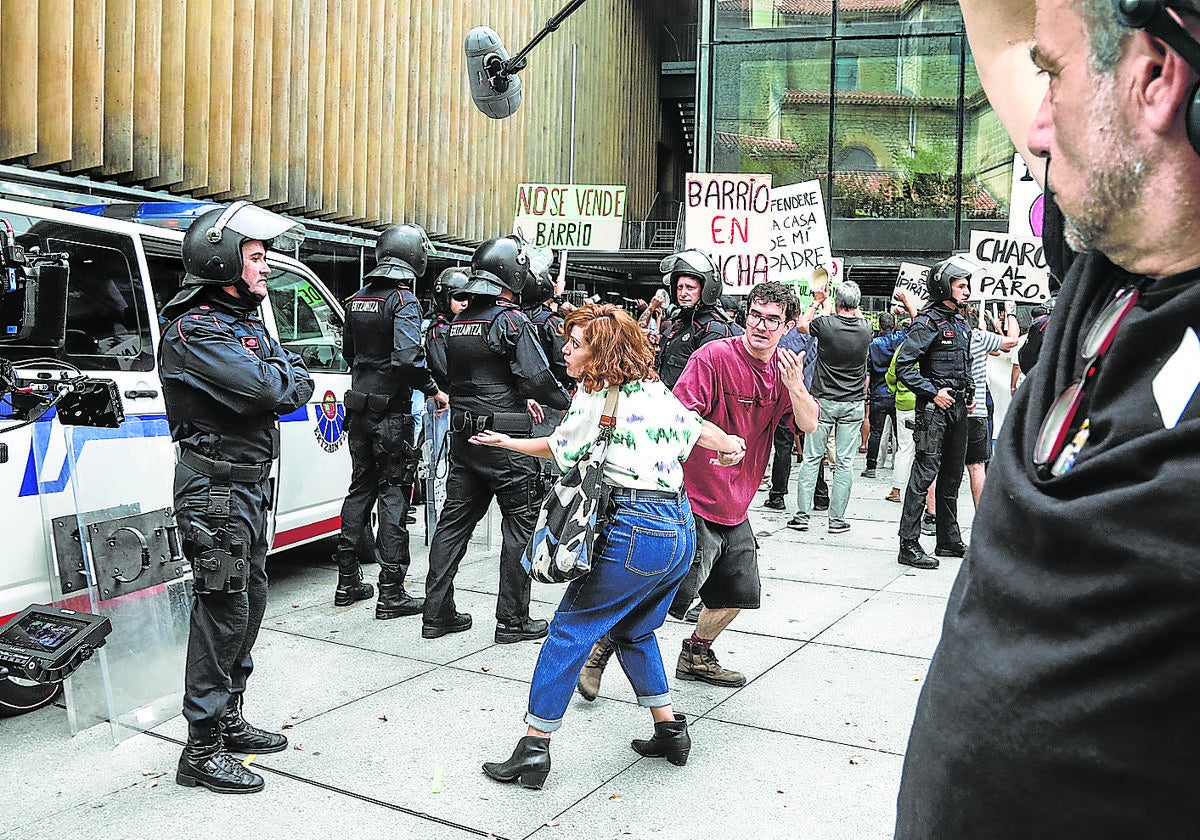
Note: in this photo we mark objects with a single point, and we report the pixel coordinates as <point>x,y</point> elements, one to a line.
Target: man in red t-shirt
<point>747,385</point>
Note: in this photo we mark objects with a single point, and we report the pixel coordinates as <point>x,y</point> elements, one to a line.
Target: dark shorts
<point>979,444</point>
<point>733,552</point>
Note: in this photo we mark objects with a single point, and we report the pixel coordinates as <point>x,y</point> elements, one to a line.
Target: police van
<point>104,453</point>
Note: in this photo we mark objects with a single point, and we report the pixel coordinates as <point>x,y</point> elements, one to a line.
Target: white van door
<point>314,463</point>
<point>110,334</point>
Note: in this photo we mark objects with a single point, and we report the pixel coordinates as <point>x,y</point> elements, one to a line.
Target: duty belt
<point>224,471</point>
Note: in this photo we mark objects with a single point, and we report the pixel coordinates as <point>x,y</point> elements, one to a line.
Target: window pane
<point>904,115</point>
<point>771,110</point>
<point>987,163</point>
<point>809,16</point>
<point>307,324</point>
<point>858,17</point>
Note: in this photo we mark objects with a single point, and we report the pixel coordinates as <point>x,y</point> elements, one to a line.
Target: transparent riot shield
<point>436,458</point>
<point>114,551</point>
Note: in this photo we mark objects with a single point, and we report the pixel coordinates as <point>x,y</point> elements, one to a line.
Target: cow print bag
<point>573,512</point>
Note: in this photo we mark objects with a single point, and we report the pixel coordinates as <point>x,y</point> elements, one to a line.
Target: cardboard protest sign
<point>912,280</point>
<point>728,217</point>
<point>570,216</point>
<point>1016,267</point>
<point>799,234</point>
<point>1027,203</point>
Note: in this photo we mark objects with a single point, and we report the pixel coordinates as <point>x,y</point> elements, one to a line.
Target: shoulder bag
<point>573,512</point>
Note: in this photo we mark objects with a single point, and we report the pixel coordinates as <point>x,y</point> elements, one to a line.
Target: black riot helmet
<point>212,250</point>
<point>450,282</point>
<point>402,253</point>
<point>499,264</point>
<point>942,275</point>
<point>692,263</point>
<point>540,286</point>
<point>212,246</point>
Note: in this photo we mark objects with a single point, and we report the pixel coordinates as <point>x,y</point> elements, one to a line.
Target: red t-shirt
<point>727,386</point>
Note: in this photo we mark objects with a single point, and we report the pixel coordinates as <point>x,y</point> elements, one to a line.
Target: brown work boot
<point>588,684</point>
<point>700,663</point>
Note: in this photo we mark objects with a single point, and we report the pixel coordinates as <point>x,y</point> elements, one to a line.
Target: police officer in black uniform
<point>696,289</point>
<point>934,362</point>
<point>549,324</point>
<point>225,383</point>
<point>496,366</point>
<point>382,344</point>
<point>448,300</point>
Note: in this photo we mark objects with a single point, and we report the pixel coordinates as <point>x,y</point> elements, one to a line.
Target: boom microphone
<point>495,89</point>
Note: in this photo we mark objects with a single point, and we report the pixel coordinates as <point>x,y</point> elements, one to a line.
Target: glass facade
<point>878,98</point>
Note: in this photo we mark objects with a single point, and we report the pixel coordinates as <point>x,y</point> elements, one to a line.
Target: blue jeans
<point>643,555</point>
<point>844,421</point>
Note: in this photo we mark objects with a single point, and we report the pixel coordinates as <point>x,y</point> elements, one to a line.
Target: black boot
<point>529,764</point>
<point>351,588</point>
<point>911,554</point>
<point>393,600</point>
<point>205,762</point>
<point>523,630</point>
<point>241,737</point>
<point>671,741</point>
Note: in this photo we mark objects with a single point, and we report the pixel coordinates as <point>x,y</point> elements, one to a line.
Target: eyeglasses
<point>460,298</point>
<point>1060,419</point>
<point>771,324</point>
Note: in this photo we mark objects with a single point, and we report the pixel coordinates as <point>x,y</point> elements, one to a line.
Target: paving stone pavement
<point>388,730</point>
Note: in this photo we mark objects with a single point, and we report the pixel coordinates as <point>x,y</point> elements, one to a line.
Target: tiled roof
<point>866,97</point>
<point>750,143</point>
<point>820,7</point>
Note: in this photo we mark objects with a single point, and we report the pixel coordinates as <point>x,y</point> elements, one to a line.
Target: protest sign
<point>570,216</point>
<point>1027,204</point>
<point>1016,267</point>
<point>912,281</point>
<point>728,217</point>
<point>799,234</point>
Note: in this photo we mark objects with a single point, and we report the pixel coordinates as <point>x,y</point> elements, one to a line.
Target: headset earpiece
<point>1151,16</point>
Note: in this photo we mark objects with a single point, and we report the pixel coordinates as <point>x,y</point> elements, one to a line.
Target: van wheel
<point>19,698</point>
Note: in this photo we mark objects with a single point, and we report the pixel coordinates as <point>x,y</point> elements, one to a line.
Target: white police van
<point>120,274</point>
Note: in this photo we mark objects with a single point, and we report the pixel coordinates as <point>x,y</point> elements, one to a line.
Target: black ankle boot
<point>241,737</point>
<point>393,600</point>
<point>351,588</point>
<point>529,764</point>
<point>671,741</point>
<point>205,762</point>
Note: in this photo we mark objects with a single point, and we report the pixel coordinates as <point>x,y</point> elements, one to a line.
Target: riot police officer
<point>934,362</point>
<point>382,344</point>
<point>225,383</point>
<point>448,300</point>
<point>496,365</point>
<point>695,288</point>
<point>534,296</point>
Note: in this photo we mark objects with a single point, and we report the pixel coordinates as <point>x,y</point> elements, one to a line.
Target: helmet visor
<point>253,222</point>
<point>692,261</point>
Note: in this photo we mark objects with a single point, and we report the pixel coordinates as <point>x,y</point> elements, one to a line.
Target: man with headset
<point>1062,699</point>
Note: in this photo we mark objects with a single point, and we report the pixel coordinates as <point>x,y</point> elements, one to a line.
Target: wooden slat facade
<point>356,111</point>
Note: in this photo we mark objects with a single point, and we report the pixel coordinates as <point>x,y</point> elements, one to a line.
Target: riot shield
<point>436,459</point>
<point>435,456</point>
<point>114,551</point>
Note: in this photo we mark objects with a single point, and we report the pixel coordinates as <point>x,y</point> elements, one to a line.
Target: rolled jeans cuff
<point>655,701</point>
<point>541,724</point>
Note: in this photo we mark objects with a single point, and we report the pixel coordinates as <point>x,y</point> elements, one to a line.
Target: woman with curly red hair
<point>643,552</point>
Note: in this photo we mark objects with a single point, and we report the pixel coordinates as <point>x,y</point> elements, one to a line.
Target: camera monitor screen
<point>41,633</point>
